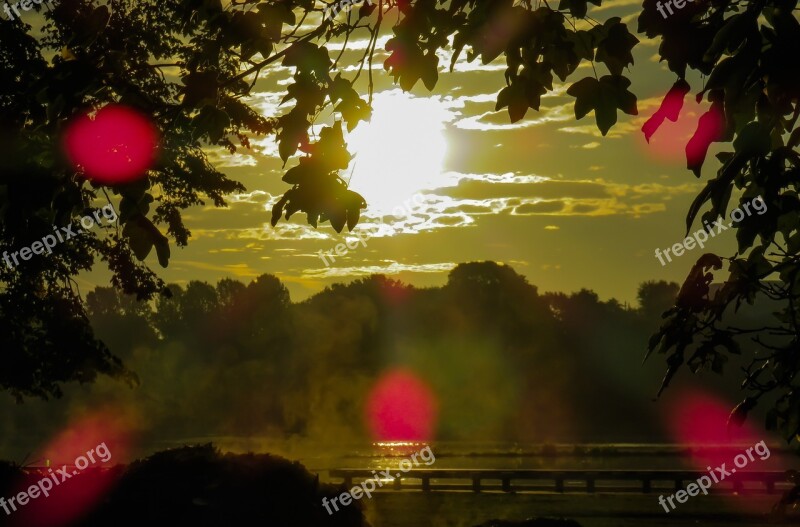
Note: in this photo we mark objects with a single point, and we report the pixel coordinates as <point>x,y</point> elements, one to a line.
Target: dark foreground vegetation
<point>535,522</point>
<point>195,486</point>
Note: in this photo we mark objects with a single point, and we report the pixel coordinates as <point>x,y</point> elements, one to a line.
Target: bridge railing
<point>560,481</point>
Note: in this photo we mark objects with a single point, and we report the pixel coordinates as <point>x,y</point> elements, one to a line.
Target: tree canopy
<point>506,362</point>
<point>190,64</point>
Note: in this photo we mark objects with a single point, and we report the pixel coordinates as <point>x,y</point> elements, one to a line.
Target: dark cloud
<point>552,189</point>
<point>542,207</point>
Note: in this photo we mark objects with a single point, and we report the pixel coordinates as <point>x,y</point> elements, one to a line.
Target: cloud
<point>540,207</point>
<point>477,195</point>
<point>221,158</point>
<point>391,268</point>
<point>615,4</point>
<point>240,269</point>
<point>499,120</point>
<point>544,189</point>
<point>249,197</point>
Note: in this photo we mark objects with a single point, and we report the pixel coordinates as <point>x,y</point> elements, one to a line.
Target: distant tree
<point>124,322</point>
<point>655,297</point>
<point>167,316</point>
<point>190,64</point>
<point>229,291</point>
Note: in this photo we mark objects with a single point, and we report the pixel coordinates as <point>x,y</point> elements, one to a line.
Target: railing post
<point>590,485</point>
<point>397,483</point>
<point>646,488</point>
<point>426,483</point>
<point>506,484</point>
<point>559,484</point>
<point>476,483</point>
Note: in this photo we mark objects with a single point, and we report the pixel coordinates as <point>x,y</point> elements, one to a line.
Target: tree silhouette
<point>515,369</point>
<point>90,55</point>
<point>655,297</point>
<point>748,52</point>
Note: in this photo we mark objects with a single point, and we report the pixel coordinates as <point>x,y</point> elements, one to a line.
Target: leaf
<point>87,28</point>
<point>337,217</point>
<point>753,140</point>
<point>142,235</point>
<point>515,99</point>
<point>353,215</point>
<point>139,240</point>
<point>731,35</point>
<point>162,250</point>
<point>354,110</point>
<point>430,73</point>
<point>604,97</point>
<point>710,128</point>
<point>585,93</point>
<point>670,108</point>
<point>200,88</point>
<point>354,202</point>
<point>277,209</point>
<point>703,196</point>
<point>794,139</point>
<point>211,121</point>
<point>582,43</point>
<point>307,58</point>
<point>293,132</point>
<point>129,207</point>
<point>367,8</point>
<point>577,8</point>
<point>616,49</point>
<point>693,295</point>
<point>273,16</point>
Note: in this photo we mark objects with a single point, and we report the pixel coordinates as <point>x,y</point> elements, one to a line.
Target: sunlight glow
<point>400,151</point>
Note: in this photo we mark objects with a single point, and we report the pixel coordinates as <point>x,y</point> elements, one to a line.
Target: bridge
<point>563,481</point>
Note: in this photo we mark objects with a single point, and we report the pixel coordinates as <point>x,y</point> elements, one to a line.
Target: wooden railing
<point>560,481</point>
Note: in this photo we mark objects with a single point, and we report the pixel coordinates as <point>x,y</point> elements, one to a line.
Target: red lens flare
<point>700,420</point>
<point>401,407</point>
<point>118,145</point>
<point>75,480</point>
<point>668,144</point>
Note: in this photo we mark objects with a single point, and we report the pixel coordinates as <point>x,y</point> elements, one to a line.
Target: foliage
<point>91,55</point>
<point>655,297</point>
<point>495,351</point>
<point>190,65</point>
<point>192,485</point>
<point>748,51</point>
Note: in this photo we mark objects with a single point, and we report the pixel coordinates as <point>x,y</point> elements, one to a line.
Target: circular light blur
<point>401,407</point>
<point>118,145</point>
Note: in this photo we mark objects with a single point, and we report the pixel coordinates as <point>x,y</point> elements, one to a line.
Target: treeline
<point>506,362</point>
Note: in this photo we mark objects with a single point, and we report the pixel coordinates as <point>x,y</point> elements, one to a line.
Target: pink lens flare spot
<point>103,438</point>
<point>401,407</point>
<point>699,420</point>
<point>668,144</point>
<point>117,145</point>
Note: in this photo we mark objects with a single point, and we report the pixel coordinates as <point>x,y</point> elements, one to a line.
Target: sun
<point>399,152</point>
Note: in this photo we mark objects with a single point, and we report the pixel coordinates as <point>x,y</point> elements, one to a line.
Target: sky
<point>450,180</point>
